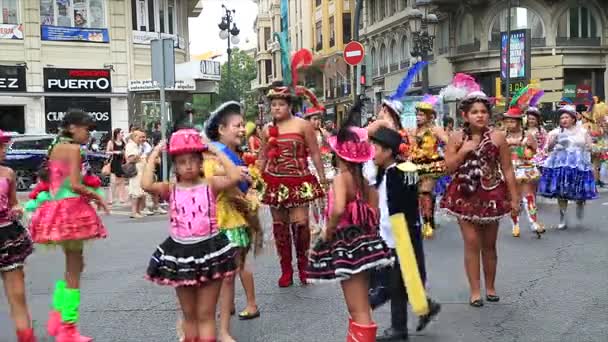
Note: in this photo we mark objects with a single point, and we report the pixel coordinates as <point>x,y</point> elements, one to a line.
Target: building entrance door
<point>12,119</point>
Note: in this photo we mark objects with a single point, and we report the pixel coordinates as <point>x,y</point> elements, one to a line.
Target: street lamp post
<point>231,35</point>
<point>422,27</point>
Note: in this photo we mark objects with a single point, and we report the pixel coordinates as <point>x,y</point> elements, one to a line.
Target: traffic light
<point>363,79</point>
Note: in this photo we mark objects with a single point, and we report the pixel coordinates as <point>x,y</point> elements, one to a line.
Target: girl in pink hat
<point>196,256</point>
<point>350,244</point>
<point>15,247</point>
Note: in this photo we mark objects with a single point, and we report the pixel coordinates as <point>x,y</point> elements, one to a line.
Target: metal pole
<point>425,71</point>
<point>163,130</point>
<point>357,73</point>
<point>508,78</point>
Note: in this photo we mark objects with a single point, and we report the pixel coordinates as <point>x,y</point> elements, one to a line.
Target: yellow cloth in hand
<point>409,267</point>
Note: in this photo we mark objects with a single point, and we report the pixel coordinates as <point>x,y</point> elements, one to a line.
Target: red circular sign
<point>354,52</point>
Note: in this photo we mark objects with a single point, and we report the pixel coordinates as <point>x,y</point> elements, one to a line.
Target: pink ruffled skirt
<point>69,219</point>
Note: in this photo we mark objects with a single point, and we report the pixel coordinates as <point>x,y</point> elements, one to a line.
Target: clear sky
<point>204,33</point>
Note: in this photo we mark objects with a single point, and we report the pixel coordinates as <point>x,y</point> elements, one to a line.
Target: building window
<point>346,28</point>
<point>382,60</point>
<point>467,30</point>
<point>405,51</point>
<point>521,18</point>
<point>266,38</point>
<point>392,7</point>
<point>372,11</point>
<point>73,13</point>
<point>443,39</point>
<point>374,62</point>
<point>332,32</point>
<point>403,5</point>
<point>10,12</point>
<point>318,2</point>
<point>155,15</point>
<point>319,36</point>
<point>577,22</point>
<point>393,58</point>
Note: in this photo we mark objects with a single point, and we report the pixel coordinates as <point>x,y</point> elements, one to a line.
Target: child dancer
<point>398,193</point>
<point>350,244</point>
<point>15,247</point>
<point>64,217</point>
<point>226,129</point>
<point>196,256</point>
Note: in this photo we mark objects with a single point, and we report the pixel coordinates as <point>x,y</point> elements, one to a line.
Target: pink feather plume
<point>302,58</point>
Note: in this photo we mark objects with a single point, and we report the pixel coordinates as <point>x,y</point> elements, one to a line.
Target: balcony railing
<point>405,64</point>
<point>574,41</point>
<point>394,67</point>
<point>467,48</point>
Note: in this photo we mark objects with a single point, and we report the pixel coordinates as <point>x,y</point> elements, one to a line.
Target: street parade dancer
<point>400,229</point>
<point>63,216</point>
<point>317,208</point>
<point>15,246</point>
<point>226,129</point>
<point>567,174</point>
<point>350,244</point>
<point>593,120</point>
<point>523,147</point>
<point>196,256</point>
<point>425,154</point>
<point>483,189</point>
<point>289,184</point>
<point>534,127</point>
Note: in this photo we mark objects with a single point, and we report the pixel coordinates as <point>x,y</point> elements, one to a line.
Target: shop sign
<point>81,34</point>
<point>210,70</point>
<point>11,31</point>
<point>55,108</point>
<point>77,80</point>
<point>583,91</point>
<point>145,38</point>
<point>149,85</point>
<point>570,91</point>
<point>12,78</point>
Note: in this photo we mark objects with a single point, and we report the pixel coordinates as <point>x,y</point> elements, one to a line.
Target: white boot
<point>580,212</point>
<point>563,219</point>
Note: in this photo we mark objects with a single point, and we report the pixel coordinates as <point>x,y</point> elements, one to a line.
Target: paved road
<point>554,289</point>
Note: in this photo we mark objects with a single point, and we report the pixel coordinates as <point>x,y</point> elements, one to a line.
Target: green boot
<point>54,322</point>
<point>69,317</point>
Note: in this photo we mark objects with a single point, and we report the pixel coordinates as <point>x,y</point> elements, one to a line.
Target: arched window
<point>578,22</point>
<point>403,5</point>
<point>379,9</point>
<point>374,62</point>
<point>467,30</point>
<point>393,57</point>
<point>392,7</point>
<point>405,51</point>
<point>521,18</point>
<point>382,60</point>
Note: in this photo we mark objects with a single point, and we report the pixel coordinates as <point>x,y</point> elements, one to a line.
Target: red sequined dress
<point>288,180</point>
<point>478,192</point>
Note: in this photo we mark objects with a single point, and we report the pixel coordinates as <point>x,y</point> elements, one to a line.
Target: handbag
<point>129,170</point>
<point>106,170</point>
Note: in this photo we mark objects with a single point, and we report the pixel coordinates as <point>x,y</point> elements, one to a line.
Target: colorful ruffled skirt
<point>568,175</point>
<point>430,167</point>
<point>481,206</point>
<point>15,246</point>
<point>192,264</point>
<point>526,173</point>
<point>290,191</point>
<point>71,219</point>
<point>353,250</point>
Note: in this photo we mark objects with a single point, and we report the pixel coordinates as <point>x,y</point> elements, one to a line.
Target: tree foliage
<point>235,85</point>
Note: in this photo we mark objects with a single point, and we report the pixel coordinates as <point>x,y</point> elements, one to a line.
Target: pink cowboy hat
<point>353,151</point>
<point>186,141</point>
<point>4,137</point>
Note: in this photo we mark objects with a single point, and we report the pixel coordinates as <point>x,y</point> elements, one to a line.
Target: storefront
<point>77,89</point>
<point>12,81</point>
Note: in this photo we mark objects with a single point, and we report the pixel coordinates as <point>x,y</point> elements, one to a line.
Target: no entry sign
<point>354,53</point>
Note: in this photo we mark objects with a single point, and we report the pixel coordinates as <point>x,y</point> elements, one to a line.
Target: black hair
<point>220,119</point>
<point>116,133</point>
<point>346,134</point>
<point>75,118</point>
<point>447,120</point>
<point>465,107</point>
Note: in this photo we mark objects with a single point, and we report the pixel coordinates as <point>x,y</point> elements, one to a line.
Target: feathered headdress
<point>428,103</point>
<point>407,81</point>
<point>461,86</point>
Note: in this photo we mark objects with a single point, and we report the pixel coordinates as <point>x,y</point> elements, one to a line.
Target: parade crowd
<point>354,204</point>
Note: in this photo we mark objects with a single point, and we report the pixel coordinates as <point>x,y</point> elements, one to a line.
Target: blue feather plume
<point>407,80</point>
<point>285,63</point>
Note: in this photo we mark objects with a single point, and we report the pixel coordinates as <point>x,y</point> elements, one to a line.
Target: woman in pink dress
<point>64,217</point>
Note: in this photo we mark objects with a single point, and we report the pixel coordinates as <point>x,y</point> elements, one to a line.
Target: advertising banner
<point>77,80</point>
<point>145,38</point>
<point>81,34</point>
<point>519,63</point>
<point>11,31</point>
<point>148,85</point>
<point>99,109</point>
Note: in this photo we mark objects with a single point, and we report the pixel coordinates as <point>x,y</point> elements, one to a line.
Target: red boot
<point>69,333</point>
<point>54,323</point>
<point>362,333</point>
<point>208,339</point>
<point>301,235</point>
<point>282,239</point>
<point>26,335</point>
